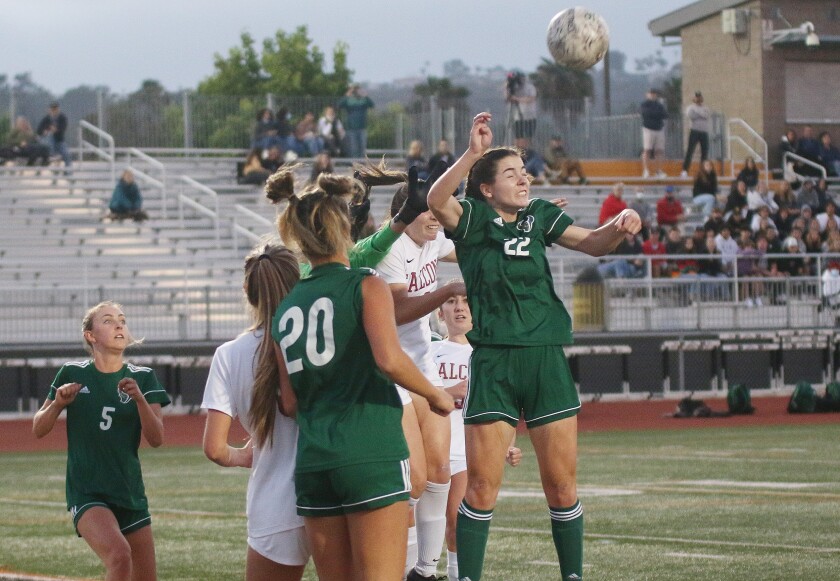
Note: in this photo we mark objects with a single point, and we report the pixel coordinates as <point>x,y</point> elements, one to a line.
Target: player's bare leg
<point>98,527</point>
<point>378,543</point>
<point>260,568</point>
<point>329,539</point>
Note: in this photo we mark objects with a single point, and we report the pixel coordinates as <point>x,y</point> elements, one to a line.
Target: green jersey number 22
<point>516,246</point>
<point>320,319</point>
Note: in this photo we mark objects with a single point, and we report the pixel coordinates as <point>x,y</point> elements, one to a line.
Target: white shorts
<point>286,547</point>
<point>653,140</point>
<point>405,395</point>
<point>457,443</point>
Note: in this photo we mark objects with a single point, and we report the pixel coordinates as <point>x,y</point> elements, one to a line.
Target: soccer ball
<point>578,38</point>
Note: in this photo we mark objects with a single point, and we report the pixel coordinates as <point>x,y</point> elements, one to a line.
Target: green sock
<point>471,535</point>
<point>567,532</point>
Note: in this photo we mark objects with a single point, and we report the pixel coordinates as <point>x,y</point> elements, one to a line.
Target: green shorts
<point>128,519</point>
<point>509,382</point>
<point>353,488</point>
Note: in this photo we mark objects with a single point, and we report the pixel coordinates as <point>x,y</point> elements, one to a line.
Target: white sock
<point>411,551</point>
<point>430,516</point>
<point>452,564</point>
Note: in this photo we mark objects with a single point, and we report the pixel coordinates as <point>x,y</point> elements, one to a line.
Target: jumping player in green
<point>109,404</point>
<point>339,357</point>
<point>519,327</point>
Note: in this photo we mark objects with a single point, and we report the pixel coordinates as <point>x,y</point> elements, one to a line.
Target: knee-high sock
<point>430,515</point>
<point>452,565</point>
<point>567,532</point>
<point>471,536</point>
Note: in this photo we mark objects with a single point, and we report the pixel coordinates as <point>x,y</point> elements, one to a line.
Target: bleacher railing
<point>157,166</point>
<point>108,155</point>
<point>758,150</point>
<point>188,184</point>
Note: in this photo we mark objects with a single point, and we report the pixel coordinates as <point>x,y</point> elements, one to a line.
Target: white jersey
<point>270,501</point>
<point>416,266</point>
<point>453,364</point>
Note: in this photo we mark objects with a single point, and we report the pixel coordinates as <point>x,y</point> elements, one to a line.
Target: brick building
<point>773,63</point>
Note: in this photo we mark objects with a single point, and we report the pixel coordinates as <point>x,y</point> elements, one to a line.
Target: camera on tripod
<point>515,79</point>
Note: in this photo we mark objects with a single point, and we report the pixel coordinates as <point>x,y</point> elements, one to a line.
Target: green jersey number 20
<point>320,322</point>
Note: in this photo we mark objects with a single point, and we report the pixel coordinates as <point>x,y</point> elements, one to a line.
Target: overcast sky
<point>119,43</point>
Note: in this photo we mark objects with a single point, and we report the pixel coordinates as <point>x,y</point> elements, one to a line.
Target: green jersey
<point>103,433</point>
<point>348,411</point>
<point>509,284</point>
<point>367,252</point>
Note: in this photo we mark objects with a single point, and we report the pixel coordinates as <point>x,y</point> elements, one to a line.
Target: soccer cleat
<point>413,575</point>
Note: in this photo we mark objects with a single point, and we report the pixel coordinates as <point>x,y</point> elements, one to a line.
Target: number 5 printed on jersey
<point>319,322</point>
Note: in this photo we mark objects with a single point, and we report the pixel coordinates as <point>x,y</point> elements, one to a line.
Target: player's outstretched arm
<point>605,238</point>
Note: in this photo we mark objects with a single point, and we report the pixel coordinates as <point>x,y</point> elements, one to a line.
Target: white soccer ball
<point>578,38</point>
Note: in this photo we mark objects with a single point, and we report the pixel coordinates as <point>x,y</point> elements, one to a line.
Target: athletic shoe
<point>684,174</point>
<point>646,174</point>
<point>661,174</point>
<point>413,575</point>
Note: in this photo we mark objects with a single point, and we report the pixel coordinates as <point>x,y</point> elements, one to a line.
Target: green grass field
<point>739,503</point>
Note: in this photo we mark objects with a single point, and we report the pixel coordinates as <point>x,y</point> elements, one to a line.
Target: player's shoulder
<point>83,364</point>
<point>138,369</point>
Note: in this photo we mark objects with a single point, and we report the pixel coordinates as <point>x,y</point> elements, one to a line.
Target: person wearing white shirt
<point>829,214</point>
<point>728,248</point>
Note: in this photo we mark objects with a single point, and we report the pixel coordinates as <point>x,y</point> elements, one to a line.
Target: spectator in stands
<point>23,142</point>
<point>322,164</point>
<point>761,220</point>
<point>705,190</point>
<point>272,159</point>
<point>761,196</point>
<point>331,131</point>
<point>415,158</point>
<point>830,215</point>
<point>669,210</point>
<point>792,264</point>
<point>774,241</point>
<point>688,265</point>
<point>712,267</point>
<point>792,167</point>
<point>699,237</point>
<point>521,96</point>
<point>625,267</point>
<point>727,247</point>
<point>534,164</point>
<point>785,197</point>
<point>653,114</point>
<point>829,155</point>
<point>560,166</point>
<point>51,130</point>
<point>832,243</point>
<point>645,212</point>
<point>737,197</point>
<point>746,265</point>
<point>653,246</point>
<point>282,120</point>
<point>613,204</point>
<point>794,238</point>
<point>443,154</point>
<point>265,131</point>
<point>809,148</point>
<point>749,173</point>
<point>126,202</point>
<point>699,117</point>
<point>737,221</point>
<point>715,221</point>
<point>253,171</point>
<point>674,244</point>
<point>812,239</point>
<point>808,195</point>
<point>306,130</point>
<point>355,104</point>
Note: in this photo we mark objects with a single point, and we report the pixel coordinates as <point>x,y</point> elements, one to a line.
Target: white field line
<point>675,540</point>
<point>721,457</point>
<point>678,555</point>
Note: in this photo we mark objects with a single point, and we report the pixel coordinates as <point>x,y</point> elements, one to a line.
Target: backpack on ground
<point>738,399</point>
<point>803,400</point>
<point>832,396</point>
<point>696,408</point>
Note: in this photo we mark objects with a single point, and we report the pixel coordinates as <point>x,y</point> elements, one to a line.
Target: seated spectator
<point>830,215</point>
<point>809,195</point>
<point>266,131</point>
<point>304,141</point>
<point>253,171</point>
<point>809,148</point>
<point>712,266</point>
<point>653,246</point>
<point>331,131</point>
<point>737,222</point>
<point>283,122</point>
<point>51,131</point>
<point>645,212</point>
<point>715,221</point>
<point>674,244</point>
<point>443,154</point>
<point>534,164</point>
<point>785,197</point>
<point>793,264</point>
<point>806,214</point>
<point>761,196</point>
<point>829,155</point>
<point>613,204</point>
<point>126,202</point>
<point>688,265</point>
<point>832,243</point>
<point>746,266</point>
<point>272,159</point>
<point>813,241</point>
<point>783,220</point>
<point>23,142</point>
<point>788,144</point>
<point>727,247</point>
<point>322,164</point>
<point>699,237</point>
<point>749,174</point>
<point>762,221</point>
<point>737,197</point>
<point>795,239</point>
<point>560,166</point>
<point>705,190</point>
<point>415,158</point>
<point>625,267</point>
<point>774,241</point>
<point>669,210</point>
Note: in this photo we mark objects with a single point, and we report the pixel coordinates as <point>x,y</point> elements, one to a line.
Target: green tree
<point>555,82</point>
<point>238,74</point>
<point>447,94</point>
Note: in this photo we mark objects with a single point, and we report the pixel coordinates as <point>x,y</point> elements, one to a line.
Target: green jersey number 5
<point>517,246</point>
<point>318,322</point>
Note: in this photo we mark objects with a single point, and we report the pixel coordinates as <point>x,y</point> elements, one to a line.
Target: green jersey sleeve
<point>370,251</point>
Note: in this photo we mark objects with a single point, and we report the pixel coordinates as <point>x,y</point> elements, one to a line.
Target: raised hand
<point>415,204</point>
<point>481,137</point>
<point>65,394</point>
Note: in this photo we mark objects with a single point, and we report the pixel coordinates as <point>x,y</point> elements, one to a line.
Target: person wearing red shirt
<point>669,210</point>
<point>654,246</point>
<point>612,205</point>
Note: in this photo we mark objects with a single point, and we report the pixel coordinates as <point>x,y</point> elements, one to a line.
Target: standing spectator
<point>356,104</point>
<point>560,165</point>
<point>613,204</point>
<point>653,246</point>
<point>829,155</point>
<point>126,202</point>
<point>749,173</point>
<point>51,129</point>
<point>809,148</point>
<point>654,115</point>
<point>415,159</point>
<point>443,154</point>
<point>699,117</point>
<point>705,190</point>
<point>669,210</point>
<point>331,131</point>
<point>521,95</point>
<point>110,405</point>
<point>645,211</point>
